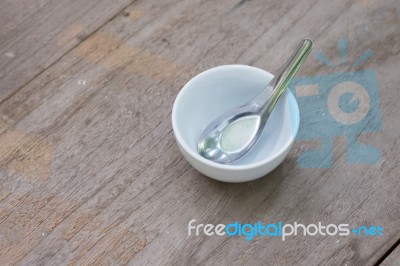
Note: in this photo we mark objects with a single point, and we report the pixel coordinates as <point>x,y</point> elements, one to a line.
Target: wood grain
<point>90,172</point>
<point>393,259</point>
<point>35,35</point>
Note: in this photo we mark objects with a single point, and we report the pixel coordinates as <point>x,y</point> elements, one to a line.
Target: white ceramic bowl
<point>217,90</point>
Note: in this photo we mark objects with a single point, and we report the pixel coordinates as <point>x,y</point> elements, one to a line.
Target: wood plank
<point>93,174</point>
<point>393,259</point>
<point>33,35</point>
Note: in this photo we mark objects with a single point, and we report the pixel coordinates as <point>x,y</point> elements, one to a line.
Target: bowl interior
<point>219,89</point>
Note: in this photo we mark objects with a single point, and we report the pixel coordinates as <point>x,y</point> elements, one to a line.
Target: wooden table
<point>90,171</point>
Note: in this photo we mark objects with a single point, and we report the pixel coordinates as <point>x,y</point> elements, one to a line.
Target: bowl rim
<point>231,167</point>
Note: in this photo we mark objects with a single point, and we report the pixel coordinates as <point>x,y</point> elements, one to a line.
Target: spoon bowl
<point>231,85</point>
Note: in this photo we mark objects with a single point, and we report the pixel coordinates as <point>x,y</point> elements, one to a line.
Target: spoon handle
<point>285,75</point>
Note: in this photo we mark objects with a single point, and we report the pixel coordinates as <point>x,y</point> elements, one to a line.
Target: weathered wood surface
<point>35,35</point>
<point>393,258</point>
<point>90,172</point>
